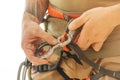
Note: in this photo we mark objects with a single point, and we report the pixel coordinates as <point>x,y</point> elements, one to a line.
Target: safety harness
<point>68,41</point>
<point>68,44</point>
<point>45,68</point>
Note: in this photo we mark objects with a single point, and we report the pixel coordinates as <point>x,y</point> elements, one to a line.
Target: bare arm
<point>31,31</point>
<point>36,8</point>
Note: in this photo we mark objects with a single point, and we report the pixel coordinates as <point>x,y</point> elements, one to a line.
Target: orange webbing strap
<point>55,13</point>
<point>76,39</point>
<point>62,40</point>
<point>88,78</point>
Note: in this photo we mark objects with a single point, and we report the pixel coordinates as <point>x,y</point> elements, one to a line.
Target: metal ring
<point>39,48</point>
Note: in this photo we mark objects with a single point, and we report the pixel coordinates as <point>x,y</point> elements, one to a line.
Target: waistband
<point>62,14</point>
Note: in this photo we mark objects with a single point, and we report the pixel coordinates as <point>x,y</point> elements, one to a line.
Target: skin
<point>32,34</point>
<point>98,24</point>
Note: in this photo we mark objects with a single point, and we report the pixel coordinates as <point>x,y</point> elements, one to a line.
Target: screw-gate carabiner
<point>52,48</point>
<point>70,36</point>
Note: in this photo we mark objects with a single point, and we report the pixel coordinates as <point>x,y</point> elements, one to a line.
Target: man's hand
<point>31,36</point>
<point>97,24</point>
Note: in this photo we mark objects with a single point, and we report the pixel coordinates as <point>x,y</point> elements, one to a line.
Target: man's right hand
<point>31,36</point>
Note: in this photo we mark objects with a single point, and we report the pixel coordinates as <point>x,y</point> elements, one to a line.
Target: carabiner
<point>51,48</point>
<point>70,35</point>
<point>43,50</point>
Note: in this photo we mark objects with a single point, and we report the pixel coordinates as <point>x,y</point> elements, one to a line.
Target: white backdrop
<point>11,54</point>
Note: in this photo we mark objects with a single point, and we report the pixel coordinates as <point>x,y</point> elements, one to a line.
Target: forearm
<point>29,19</point>
<point>34,11</point>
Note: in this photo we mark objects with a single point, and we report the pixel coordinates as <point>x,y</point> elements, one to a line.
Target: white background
<point>11,54</point>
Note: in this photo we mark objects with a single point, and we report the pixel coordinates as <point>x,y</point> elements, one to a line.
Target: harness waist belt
<point>58,13</point>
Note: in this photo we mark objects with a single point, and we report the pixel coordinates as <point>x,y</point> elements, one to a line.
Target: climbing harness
<point>44,68</point>
<point>60,44</point>
<point>67,43</point>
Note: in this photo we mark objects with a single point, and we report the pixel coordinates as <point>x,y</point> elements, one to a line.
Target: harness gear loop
<point>25,65</point>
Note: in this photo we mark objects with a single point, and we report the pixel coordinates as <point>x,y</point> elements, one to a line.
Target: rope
<point>19,71</point>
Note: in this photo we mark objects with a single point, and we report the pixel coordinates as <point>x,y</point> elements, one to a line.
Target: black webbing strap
<point>44,68</point>
<point>60,70</point>
<point>73,56</point>
<point>114,74</point>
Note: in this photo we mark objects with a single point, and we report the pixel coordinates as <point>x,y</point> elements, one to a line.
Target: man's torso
<point>82,5</point>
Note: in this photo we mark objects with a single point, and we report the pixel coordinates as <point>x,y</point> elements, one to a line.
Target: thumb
<point>47,37</point>
<point>97,46</point>
<point>78,22</point>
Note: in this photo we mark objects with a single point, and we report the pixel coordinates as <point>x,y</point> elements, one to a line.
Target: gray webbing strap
<point>96,76</point>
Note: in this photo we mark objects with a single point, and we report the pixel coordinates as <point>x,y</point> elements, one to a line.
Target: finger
<point>37,42</point>
<point>36,61</point>
<point>27,44</point>
<point>83,44</point>
<point>47,37</point>
<point>78,22</point>
<point>85,39</point>
<point>97,46</point>
<point>29,51</point>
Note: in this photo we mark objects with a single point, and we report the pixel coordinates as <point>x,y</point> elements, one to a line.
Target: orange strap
<point>62,40</point>
<point>88,78</point>
<point>57,14</point>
